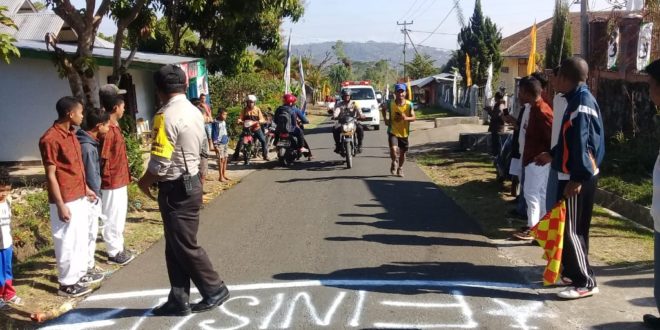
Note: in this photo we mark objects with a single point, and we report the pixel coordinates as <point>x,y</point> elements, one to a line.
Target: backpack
<point>283,119</point>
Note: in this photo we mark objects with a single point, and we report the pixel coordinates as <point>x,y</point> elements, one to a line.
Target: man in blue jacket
<point>577,157</point>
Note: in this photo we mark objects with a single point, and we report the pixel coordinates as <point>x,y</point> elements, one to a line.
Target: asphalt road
<point>318,245</point>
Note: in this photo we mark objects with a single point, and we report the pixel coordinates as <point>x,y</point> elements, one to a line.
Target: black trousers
<point>575,258</point>
<point>359,130</point>
<point>185,259</point>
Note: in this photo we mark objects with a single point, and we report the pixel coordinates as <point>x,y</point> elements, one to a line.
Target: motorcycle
<point>249,148</point>
<point>286,149</point>
<point>347,139</point>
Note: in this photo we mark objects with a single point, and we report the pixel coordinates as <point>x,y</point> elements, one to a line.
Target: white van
<point>365,96</point>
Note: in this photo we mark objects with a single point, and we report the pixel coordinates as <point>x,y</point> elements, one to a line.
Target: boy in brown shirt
<point>67,194</point>
<point>115,176</point>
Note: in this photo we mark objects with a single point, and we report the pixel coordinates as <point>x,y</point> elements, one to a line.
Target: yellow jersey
<point>399,127</point>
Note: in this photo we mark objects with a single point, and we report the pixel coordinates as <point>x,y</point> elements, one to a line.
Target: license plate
<point>283,143</point>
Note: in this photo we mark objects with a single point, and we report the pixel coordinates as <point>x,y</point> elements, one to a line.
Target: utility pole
<point>584,25</point>
<point>405,34</point>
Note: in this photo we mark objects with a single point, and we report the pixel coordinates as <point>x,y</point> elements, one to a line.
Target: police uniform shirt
<point>178,126</point>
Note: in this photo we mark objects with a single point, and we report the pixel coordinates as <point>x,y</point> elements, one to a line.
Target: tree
<point>80,67</point>
<point>226,28</point>
<point>7,47</point>
<point>481,41</point>
<point>271,62</point>
<point>421,66</point>
<point>39,6</point>
<point>134,21</point>
<point>559,46</point>
<point>379,74</point>
<point>338,73</point>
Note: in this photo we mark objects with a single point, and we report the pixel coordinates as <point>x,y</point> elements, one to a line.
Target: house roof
<point>518,44</point>
<point>17,6</point>
<point>103,56</point>
<point>33,26</point>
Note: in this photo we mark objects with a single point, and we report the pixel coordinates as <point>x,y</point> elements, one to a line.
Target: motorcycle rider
<point>252,112</point>
<point>347,108</point>
<point>288,104</point>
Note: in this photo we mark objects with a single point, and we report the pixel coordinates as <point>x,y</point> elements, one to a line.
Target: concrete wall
<point>29,89</point>
<point>508,79</point>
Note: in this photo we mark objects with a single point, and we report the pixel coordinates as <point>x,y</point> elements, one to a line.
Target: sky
<point>364,20</point>
<point>376,20</point>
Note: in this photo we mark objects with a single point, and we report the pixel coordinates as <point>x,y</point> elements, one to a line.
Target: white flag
<point>303,93</point>
<point>488,91</point>
<point>287,67</point>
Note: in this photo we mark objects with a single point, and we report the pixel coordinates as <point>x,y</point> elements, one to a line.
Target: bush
<point>31,224</point>
<point>134,153</point>
<point>230,92</point>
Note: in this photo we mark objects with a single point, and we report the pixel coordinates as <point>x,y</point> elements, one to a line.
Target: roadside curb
<point>634,212</point>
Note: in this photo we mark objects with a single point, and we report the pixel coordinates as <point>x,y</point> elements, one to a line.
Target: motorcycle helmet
<point>251,98</point>
<point>289,99</point>
<point>346,91</point>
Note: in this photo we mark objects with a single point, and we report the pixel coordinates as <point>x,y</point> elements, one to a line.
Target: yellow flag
<point>531,61</point>
<point>468,70</point>
<point>409,90</point>
<point>549,233</point>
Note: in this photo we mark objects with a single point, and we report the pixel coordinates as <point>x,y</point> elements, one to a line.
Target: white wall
<point>29,89</point>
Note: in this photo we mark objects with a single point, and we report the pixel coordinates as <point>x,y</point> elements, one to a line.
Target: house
<point>30,85</point>
<point>515,48</point>
<point>434,90</point>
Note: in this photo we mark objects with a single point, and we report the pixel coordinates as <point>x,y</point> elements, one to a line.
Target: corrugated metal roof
<point>438,77</point>
<point>34,26</point>
<point>106,53</point>
<point>14,6</point>
<point>101,43</point>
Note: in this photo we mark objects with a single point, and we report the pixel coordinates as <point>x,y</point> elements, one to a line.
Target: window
<point>504,69</point>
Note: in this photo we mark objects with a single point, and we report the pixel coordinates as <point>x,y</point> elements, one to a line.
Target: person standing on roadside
<point>496,124</point>
<point>537,140</point>
<point>577,156</point>
<point>653,70</point>
<point>208,119</point>
<point>398,114</point>
<point>178,139</point>
<point>115,177</point>
<point>67,191</point>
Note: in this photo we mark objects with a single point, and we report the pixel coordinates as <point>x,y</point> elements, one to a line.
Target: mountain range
<point>371,51</point>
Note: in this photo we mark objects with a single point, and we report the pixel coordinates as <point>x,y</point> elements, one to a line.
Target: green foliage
<point>30,221</point>
<point>378,73</point>
<point>631,187</point>
<point>133,147</point>
<point>559,46</point>
<point>7,48</point>
<point>421,66</point>
<point>481,40</point>
<point>338,73</point>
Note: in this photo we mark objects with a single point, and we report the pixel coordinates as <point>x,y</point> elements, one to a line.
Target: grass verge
<point>433,112</point>
<point>469,179</point>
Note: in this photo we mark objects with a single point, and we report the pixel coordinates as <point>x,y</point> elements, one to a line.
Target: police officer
<point>347,107</point>
<point>178,136</point>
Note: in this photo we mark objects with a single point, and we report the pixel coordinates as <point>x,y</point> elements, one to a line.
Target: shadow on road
<point>442,277</point>
<point>412,240</point>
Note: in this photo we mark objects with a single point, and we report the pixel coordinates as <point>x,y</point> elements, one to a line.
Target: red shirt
<point>114,161</point>
<point>61,148</point>
<point>539,131</point>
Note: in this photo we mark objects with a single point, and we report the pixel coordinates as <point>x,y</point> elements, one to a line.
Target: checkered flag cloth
<point>549,233</point>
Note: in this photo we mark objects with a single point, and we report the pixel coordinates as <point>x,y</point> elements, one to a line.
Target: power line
<point>429,32</point>
<point>409,9</point>
<point>418,12</point>
<point>405,33</point>
<point>441,22</point>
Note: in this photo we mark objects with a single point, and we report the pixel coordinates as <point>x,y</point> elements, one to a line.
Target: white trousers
<point>515,168</point>
<point>71,241</point>
<point>95,214</point>
<point>115,206</point>
<point>535,187</point>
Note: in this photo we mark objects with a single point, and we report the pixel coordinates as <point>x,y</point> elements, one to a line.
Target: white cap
<point>251,98</point>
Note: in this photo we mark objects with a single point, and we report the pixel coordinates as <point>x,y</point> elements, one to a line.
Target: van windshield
<point>362,94</point>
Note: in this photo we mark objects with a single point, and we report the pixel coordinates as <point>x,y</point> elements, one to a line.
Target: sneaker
<point>577,293</point>
<point>564,281</point>
<point>393,168</point>
<point>89,279</point>
<point>72,291</point>
<point>359,149</point>
<point>121,258</point>
<point>524,235</point>
<point>96,270</point>
<point>652,321</point>
<point>15,300</point>
<point>399,172</point>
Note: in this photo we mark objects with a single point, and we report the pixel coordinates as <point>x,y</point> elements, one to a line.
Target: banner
<point>468,70</point>
<point>613,49</point>
<point>644,45</point>
<point>287,67</point>
<point>303,92</point>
